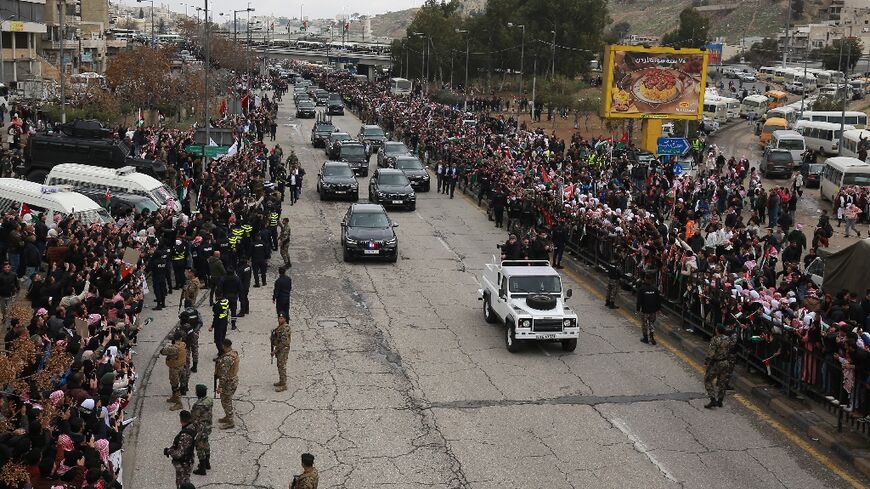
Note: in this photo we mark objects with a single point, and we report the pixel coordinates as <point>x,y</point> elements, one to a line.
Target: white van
<point>790,140</point>
<point>732,107</point>
<point>125,179</point>
<point>717,110</point>
<point>821,136</point>
<point>840,171</point>
<point>41,198</point>
<point>753,104</point>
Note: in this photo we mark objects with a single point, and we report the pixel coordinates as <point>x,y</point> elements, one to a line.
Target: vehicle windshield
<point>337,171</point>
<point>392,179</point>
<point>861,179</point>
<point>396,148</point>
<point>779,156</point>
<point>815,168</point>
<point>352,150</point>
<point>93,215</point>
<point>373,132</point>
<point>772,128</point>
<point>162,195</point>
<point>544,284</point>
<point>340,136</point>
<point>791,144</point>
<point>409,164</point>
<point>369,220</point>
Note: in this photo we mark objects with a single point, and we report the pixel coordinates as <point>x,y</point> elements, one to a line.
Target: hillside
<point>392,24</point>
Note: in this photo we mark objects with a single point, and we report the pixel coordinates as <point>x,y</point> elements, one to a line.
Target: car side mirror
<point>395,224</point>
<point>343,224</point>
<point>569,293</point>
<point>498,246</point>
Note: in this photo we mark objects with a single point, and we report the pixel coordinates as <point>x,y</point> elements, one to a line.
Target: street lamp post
<point>207,47</point>
<point>422,57</point>
<point>152,18</point>
<point>843,41</point>
<point>467,39</point>
<point>553,69</point>
<point>522,54</point>
<point>235,25</point>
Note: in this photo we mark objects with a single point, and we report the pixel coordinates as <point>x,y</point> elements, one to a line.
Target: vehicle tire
<point>355,197</point>
<point>365,172</point>
<point>541,302</point>
<point>488,313</point>
<point>346,255</point>
<point>413,207</point>
<point>394,258</point>
<point>510,339</point>
<point>569,345</point>
<point>37,176</point>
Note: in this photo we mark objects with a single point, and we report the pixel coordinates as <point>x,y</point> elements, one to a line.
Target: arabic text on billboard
<point>654,82</point>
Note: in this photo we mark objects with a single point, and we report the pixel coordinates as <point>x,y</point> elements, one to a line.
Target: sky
<point>313,9</point>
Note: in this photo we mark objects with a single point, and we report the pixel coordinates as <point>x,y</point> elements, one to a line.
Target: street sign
<point>678,169</point>
<point>672,146</point>
<point>210,151</point>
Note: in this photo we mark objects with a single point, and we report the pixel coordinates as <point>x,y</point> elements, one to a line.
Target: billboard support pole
<point>650,132</point>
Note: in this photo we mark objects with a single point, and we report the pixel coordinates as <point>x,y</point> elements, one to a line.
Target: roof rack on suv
<point>81,128</point>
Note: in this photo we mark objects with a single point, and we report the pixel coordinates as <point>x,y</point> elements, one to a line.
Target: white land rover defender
<point>527,297</point>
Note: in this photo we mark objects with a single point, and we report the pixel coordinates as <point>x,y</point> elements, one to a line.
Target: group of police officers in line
<point>223,262</point>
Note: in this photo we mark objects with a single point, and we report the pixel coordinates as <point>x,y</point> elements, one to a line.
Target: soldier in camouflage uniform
<point>190,322</point>
<point>181,451</point>
<point>191,287</point>
<point>202,419</point>
<point>280,339</point>
<point>176,357</point>
<point>718,365</point>
<point>284,242</point>
<point>227,373</point>
<point>309,477</point>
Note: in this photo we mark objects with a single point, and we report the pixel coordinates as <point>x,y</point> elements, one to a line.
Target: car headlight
<point>326,185</point>
<point>568,323</point>
<point>526,323</point>
<point>381,194</point>
<point>354,185</point>
<point>426,176</point>
<point>350,241</point>
<point>392,241</point>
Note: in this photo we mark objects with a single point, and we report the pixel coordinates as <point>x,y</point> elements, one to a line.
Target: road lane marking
<point>783,430</point>
<point>444,244</point>
<point>640,447</point>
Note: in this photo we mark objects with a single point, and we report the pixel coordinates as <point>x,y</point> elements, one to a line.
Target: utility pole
<point>534,83</point>
<point>553,69</point>
<point>845,85</point>
<point>522,54</point>
<point>787,26</point>
<point>207,45</point>
<point>62,65</point>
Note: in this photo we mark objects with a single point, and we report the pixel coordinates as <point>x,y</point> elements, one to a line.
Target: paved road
<point>397,380</point>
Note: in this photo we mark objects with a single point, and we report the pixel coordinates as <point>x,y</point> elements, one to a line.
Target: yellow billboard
<point>654,83</point>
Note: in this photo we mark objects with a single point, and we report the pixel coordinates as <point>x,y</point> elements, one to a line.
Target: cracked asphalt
<point>396,380</point>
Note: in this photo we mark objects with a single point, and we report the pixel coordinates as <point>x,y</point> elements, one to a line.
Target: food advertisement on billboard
<point>656,82</point>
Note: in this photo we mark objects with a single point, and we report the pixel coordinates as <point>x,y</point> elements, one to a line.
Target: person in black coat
<point>281,293</point>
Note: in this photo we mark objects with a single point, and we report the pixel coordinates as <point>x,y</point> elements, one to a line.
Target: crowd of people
<point>715,242</point>
<point>72,299</point>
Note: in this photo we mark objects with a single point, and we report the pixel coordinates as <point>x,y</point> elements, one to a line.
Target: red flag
<point>545,176</point>
<point>223,107</point>
<point>624,138</point>
<point>25,209</point>
<point>569,192</point>
<point>125,270</point>
<point>346,26</point>
<point>244,101</point>
<point>108,195</point>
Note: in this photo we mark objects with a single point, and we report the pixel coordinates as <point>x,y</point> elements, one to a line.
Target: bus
<point>733,106</point>
<point>785,112</point>
<point>400,86</point>
<point>169,38</point>
<point>770,125</point>
<point>716,109</point>
<point>778,75</point>
<point>753,104</point>
<point>821,136</point>
<point>857,119</point>
<point>850,141</point>
<point>776,98</point>
<point>765,72</point>
<point>841,171</point>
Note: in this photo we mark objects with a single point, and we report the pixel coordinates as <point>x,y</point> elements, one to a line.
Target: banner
<point>715,50</point>
<point>657,82</point>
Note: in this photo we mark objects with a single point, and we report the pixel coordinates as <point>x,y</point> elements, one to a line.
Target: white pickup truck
<point>526,296</point>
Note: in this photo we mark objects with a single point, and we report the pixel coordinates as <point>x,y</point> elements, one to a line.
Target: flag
<point>140,116</point>
<point>223,109</point>
<point>624,138</point>
<point>346,26</point>
<point>108,198</point>
<point>569,192</point>
<point>211,142</point>
<point>304,25</point>
<point>25,209</point>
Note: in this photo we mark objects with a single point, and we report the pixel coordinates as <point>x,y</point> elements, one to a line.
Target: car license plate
<point>371,252</point>
<point>546,336</point>
<point>397,201</point>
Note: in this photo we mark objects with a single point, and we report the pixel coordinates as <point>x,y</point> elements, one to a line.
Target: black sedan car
<point>354,154</point>
<point>321,131</point>
<point>413,168</point>
<point>372,136</point>
<point>390,187</point>
<point>367,232</point>
<point>305,109</point>
<point>389,151</point>
<point>331,141</point>
<point>337,180</point>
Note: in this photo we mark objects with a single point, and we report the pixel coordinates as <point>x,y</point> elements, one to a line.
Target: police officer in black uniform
<point>245,279</point>
<point>179,262</point>
<point>273,219</point>
<point>260,254</point>
<point>158,266</point>
<point>231,287</point>
<point>200,262</point>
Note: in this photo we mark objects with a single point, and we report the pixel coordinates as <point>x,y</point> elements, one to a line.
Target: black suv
<point>43,151</point>
<point>321,96</point>
<point>412,167</point>
<point>367,231</point>
<point>336,179</point>
<point>321,131</point>
<point>390,187</point>
<point>354,154</point>
<point>305,108</point>
<point>332,140</point>
<point>335,106</point>
<point>372,136</point>
<point>389,151</point>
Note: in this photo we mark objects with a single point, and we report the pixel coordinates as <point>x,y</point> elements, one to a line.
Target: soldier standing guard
<point>719,365</point>
<point>649,303</point>
<point>190,323</point>
<point>191,287</point>
<point>181,451</point>
<point>613,276</point>
<point>280,339</point>
<point>176,356</point>
<point>284,241</point>
<point>227,374</point>
<point>202,419</point>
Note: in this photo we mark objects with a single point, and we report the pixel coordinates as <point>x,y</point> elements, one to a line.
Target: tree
<point>140,78</point>
<point>620,30</point>
<point>827,103</point>
<point>693,31</point>
<point>834,58</point>
<point>141,13</point>
<point>797,8</point>
<point>763,53</point>
<point>161,26</point>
